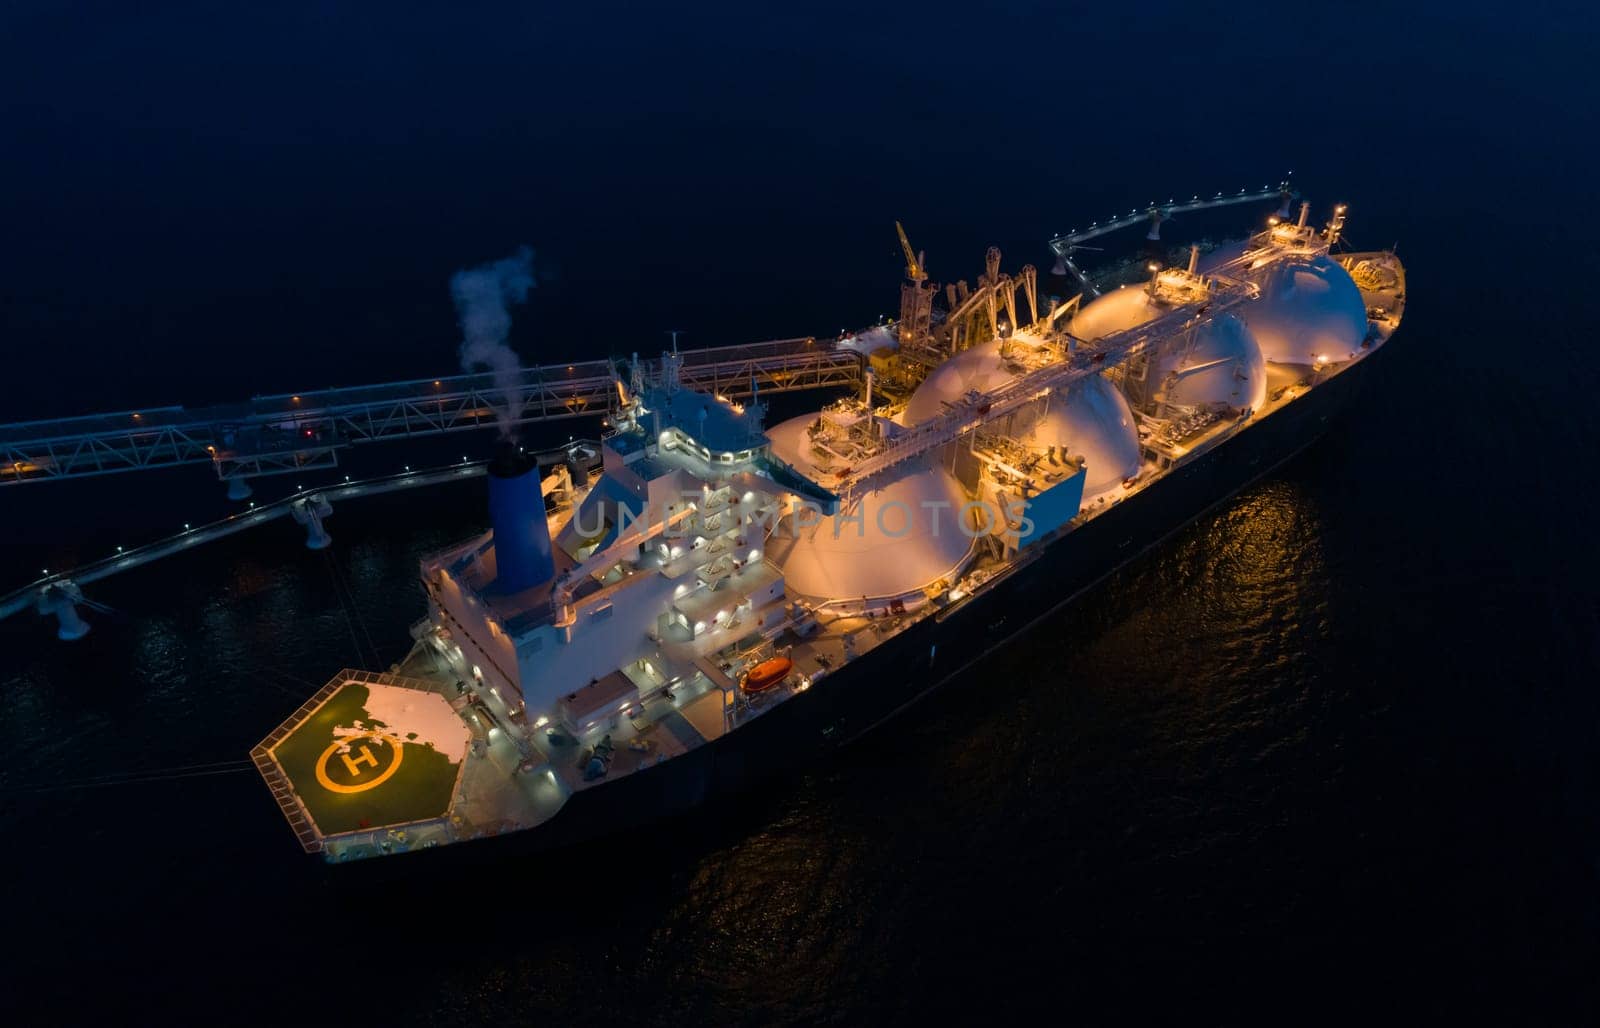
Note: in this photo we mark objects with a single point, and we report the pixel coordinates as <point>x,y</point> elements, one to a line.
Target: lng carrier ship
<point>707,599</point>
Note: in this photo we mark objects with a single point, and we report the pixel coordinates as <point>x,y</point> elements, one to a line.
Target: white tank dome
<point>899,538</point>
<point>978,368</point>
<point>1308,309</point>
<point>1240,380</point>
<point>1092,420</point>
<point>1117,311</point>
<point>909,533</point>
<point>790,443</point>
<point>1210,262</point>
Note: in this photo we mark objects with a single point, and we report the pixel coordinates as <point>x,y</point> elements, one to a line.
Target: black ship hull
<point>872,688</point>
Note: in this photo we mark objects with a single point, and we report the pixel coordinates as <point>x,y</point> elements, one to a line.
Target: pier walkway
<point>293,432</point>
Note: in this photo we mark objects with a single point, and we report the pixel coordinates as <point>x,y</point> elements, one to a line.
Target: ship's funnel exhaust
<point>516,514</point>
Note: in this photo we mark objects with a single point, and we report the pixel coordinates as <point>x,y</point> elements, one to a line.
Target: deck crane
<point>972,315</point>
<point>916,271</point>
<point>916,297</point>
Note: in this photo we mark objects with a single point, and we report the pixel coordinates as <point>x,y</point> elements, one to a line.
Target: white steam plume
<point>483,296</point>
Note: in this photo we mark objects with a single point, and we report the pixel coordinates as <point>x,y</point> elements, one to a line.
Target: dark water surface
<point>1334,746</point>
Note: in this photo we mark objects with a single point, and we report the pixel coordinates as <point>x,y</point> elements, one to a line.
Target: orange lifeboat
<point>766,675</point>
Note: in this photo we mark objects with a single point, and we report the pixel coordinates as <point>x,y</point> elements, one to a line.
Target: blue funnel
<point>516,514</point>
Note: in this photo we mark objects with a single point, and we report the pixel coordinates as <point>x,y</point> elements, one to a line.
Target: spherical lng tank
<point>1227,253</point>
<point>1221,363</point>
<point>1091,419</point>
<point>898,538</point>
<point>1308,310</point>
<point>979,368</point>
<point>1116,311</point>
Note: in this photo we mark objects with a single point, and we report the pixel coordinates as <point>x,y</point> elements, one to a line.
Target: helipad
<point>368,752</point>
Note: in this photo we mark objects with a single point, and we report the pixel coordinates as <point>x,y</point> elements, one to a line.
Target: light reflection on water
<point>216,648</point>
<point>993,800</point>
<point>1197,710</point>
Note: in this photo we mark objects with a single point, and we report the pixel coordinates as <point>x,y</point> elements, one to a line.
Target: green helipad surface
<point>372,754</point>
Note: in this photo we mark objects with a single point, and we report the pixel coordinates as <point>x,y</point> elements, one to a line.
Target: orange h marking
<point>351,763</point>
